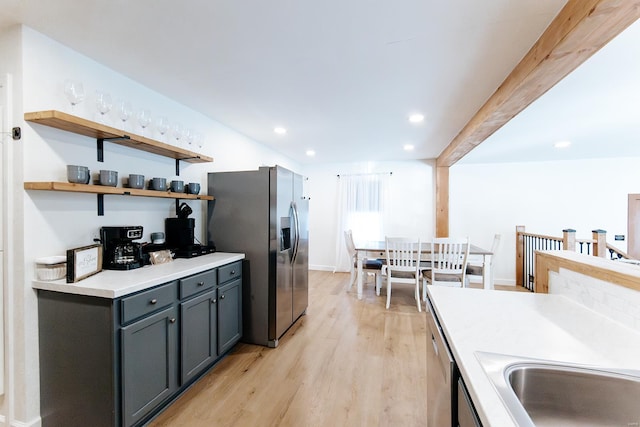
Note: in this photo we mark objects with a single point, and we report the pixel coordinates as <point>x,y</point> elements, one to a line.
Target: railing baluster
<point>531,244</point>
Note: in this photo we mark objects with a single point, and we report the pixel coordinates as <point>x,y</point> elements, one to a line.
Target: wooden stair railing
<point>528,243</point>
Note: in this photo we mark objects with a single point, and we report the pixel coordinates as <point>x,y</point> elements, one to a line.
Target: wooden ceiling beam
<point>580,29</point>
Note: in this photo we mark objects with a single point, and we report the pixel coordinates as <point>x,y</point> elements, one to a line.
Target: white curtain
<point>361,207</point>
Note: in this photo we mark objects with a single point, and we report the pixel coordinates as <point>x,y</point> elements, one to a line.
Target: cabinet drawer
<point>229,272</point>
<point>149,301</point>
<point>197,283</point>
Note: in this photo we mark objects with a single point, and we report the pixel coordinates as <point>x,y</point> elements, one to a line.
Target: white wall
<point>10,63</point>
<point>412,204</point>
<point>546,197</point>
<point>48,223</point>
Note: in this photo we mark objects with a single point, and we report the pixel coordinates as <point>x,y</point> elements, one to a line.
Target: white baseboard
<point>322,267</point>
<point>503,282</point>
<point>36,422</point>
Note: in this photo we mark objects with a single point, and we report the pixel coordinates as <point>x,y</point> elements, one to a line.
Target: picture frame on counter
<point>83,262</point>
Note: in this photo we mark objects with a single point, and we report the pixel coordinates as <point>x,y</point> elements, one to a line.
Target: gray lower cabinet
<point>149,363</point>
<point>199,322</point>
<point>229,315</point>
<point>79,360</point>
<point>118,362</point>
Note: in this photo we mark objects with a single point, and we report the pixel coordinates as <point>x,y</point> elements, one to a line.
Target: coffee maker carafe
<point>120,251</point>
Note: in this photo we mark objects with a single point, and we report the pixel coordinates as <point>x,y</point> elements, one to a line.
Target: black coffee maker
<point>180,235</point>
<point>120,252</point>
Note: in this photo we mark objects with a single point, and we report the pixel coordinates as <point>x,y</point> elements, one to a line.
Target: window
<point>361,205</point>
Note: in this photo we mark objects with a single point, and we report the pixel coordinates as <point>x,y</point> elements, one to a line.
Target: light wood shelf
<point>78,125</point>
<point>101,189</point>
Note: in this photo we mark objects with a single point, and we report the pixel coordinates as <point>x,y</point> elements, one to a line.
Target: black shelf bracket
<point>100,204</point>
<point>100,144</point>
<point>178,163</point>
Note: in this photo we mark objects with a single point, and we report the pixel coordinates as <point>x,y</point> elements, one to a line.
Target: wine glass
<point>103,104</point>
<point>162,125</point>
<point>198,139</point>
<point>188,138</point>
<point>74,91</point>
<point>124,112</point>
<point>144,118</point>
<point>178,132</point>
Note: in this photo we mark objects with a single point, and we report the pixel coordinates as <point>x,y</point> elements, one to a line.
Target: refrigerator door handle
<point>296,225</point>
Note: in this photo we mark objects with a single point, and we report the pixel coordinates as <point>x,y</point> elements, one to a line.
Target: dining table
<point>376,249</point>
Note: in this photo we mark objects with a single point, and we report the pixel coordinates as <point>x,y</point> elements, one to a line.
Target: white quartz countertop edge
<point>541,326</point>
<point>115,284</point>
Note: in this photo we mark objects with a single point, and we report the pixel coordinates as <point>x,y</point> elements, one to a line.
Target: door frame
<point>633,226</point>
<point>6,245</point>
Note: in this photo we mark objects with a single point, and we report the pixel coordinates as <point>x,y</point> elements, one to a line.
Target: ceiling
<point>343,76</point>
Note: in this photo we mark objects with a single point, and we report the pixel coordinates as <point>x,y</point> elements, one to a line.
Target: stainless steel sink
<point>547,393</point>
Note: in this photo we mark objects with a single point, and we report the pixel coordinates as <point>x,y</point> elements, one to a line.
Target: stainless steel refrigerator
<point>264,214</point>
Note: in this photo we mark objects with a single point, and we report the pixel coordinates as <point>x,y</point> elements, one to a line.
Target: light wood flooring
<point>345,363</point>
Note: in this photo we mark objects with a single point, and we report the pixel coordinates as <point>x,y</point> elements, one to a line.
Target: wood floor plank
<point>346,362</point>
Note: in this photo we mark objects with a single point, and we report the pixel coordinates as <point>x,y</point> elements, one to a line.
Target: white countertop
<point>114,283</point>
<point>540,326</point>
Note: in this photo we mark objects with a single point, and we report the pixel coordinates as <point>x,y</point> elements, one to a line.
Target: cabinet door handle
<point>233,272</point>
<point>172,320</point>
<point>213,301</point>
<point>200,283</point>
<point>222,296</point>
<point>153,301</point>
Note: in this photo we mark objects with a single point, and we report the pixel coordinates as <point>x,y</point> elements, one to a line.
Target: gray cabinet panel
<point>77,349</point>
<point>198,325</point>
<point>149,361</point>
<point>147,302</point>
<point>229,272</point>
<point>229,315</point>
<point>197,283</point>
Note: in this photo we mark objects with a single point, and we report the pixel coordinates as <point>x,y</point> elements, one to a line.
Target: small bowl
<point>158,184</point>
<point>108,178</point>
<point>78,174</point>
<point>51,268</point>
<point>193,188</point>
<point>136,181</point>
<point>157,238</point>
<point>177,186</point>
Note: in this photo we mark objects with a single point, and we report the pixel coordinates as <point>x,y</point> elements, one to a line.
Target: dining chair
<point>368,265</point>
<point>403,265</point>
<point>476,270</point>
<point>448,263</point>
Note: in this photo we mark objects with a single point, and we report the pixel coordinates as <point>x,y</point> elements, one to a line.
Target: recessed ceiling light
<point>311,153</point>
<point>279,130</point>
<point>562,144</point>
<point>408,147</point>
<point>416,118</point>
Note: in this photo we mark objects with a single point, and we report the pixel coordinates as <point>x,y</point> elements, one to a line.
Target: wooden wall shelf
<point>101,189</point>
<point>78,125</point>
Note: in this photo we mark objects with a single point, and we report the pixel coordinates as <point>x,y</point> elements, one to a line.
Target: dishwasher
<point>442,391</point>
